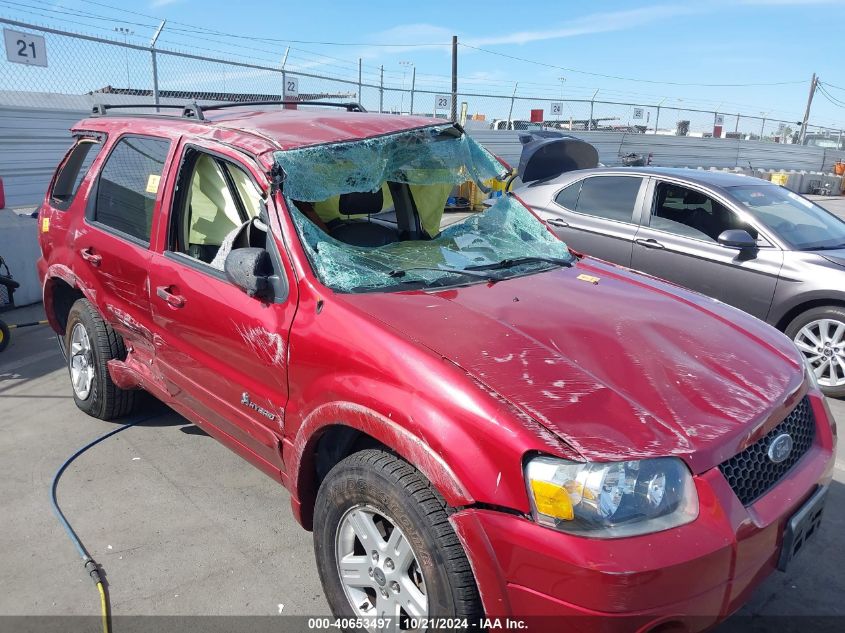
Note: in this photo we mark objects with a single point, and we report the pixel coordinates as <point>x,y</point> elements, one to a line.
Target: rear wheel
<point>820,335</point>
<point>90,343</point>
<point>385,548</point>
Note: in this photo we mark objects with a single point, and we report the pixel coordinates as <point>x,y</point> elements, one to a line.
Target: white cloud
<point>588,25</point>
<point>158,4</point>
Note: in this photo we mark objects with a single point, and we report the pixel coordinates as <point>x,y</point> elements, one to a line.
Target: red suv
<point>473,420</point>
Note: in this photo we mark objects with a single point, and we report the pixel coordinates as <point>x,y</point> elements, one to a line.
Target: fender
<point>816,297</point>
<point>298,454</point>
<point>65,274</point>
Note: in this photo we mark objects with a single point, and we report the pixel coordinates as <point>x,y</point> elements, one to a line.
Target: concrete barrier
<point>19,247</point>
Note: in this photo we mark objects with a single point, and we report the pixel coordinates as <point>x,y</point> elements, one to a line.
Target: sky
<point>643,52</point>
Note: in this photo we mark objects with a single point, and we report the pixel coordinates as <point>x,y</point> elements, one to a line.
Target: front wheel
<point>385,548</point>
<point>820,335</point>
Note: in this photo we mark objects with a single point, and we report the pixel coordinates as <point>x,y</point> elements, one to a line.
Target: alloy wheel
<point>81,362</point>
<point>378,568</point>
<point>823,344</point>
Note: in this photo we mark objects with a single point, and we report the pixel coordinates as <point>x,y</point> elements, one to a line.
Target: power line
<point>267,39</point>
<point>621,78</point>
<point>830,97</point>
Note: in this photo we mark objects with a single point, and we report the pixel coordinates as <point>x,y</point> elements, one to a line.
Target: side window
<point>128,185</point>
<point>690,213</point>
<point>73,171</point>
<point>568,197</point>
<point>214,211</point>
<point>611,197</point>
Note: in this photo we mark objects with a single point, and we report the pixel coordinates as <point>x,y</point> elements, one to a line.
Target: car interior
<point>691,213</point>
<point>395,212</point>
<point>219,211</point>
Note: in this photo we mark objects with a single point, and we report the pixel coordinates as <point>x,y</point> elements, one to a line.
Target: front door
<point>223,353</point>
<point>678,242</point>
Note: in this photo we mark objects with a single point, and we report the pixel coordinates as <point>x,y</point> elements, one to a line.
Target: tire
<point>395,493</point>
<point>102,399</point>
<point>5,335</point>
<point>806,327</point>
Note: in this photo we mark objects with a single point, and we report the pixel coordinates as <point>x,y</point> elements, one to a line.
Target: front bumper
<point>689,577</point>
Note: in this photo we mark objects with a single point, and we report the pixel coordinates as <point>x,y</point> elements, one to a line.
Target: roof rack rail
<point>190,111</point>
<point>195,111</point>
<point>349,106</point>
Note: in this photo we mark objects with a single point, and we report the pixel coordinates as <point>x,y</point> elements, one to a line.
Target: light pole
<point>405,65</point>
<point>126,33</point>
<point>763,124</point>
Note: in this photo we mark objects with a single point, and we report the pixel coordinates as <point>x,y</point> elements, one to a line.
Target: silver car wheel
<point>81,362</point>
<point>823,344</point>
<point>378,568</point>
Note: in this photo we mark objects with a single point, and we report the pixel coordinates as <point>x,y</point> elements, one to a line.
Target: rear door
<point>223,352</point>
<point>112,248</point>
<point>598,215</point>
<point>678,242</point>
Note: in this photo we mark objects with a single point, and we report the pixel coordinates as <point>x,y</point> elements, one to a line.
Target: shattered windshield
<point>370,214</point>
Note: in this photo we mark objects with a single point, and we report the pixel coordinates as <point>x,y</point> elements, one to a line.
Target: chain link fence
<point>82,70</point>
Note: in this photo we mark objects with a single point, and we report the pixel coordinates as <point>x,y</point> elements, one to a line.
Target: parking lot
<point>182,526</point>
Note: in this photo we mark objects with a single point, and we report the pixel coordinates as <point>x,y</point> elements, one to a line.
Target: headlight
<point>611,499</point>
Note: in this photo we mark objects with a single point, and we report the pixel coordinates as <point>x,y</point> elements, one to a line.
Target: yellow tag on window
<point>45,225</point>
<point>589,278</point>
<point>152,183</point>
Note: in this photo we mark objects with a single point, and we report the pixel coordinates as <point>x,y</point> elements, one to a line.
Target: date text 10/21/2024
<point>443,624</point>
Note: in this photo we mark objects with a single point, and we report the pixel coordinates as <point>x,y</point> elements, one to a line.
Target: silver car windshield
<point>799,222</point>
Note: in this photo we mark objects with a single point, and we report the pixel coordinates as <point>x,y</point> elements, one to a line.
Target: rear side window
<point>568,197</point>
<point>128,185</point>
<point>73,171</point>
<point>611,197</point>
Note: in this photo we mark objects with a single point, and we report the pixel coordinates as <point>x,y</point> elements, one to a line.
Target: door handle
<point>91,257</point>
<point>650,243</point>
<point>557,222</point>
<point>173,300</point>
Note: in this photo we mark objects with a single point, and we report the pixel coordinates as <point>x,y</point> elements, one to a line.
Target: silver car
<point>742,240</point>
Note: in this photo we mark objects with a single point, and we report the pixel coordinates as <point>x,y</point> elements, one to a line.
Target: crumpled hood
<point>627,367</point>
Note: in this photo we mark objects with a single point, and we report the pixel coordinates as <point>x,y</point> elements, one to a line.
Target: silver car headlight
<point>611,499</point>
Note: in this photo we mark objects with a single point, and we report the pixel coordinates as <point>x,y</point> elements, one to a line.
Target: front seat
<point>699,217</point>
<point>362,232</point>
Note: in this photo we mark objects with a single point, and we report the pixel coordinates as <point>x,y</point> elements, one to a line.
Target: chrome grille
<point>751,473</point>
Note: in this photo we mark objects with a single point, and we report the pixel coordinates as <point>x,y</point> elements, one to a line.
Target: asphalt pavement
<point>182,526</point>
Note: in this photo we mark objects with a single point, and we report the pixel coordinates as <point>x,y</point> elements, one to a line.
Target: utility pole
<point>813,85</point>
<point>360,96</point>
<point>592,106</point>
<point>155,63</point>
<point>284,80</point>
<point>413,87</point>
<point>510,112</point>
<point>454,77</point>
<point>381,90</point>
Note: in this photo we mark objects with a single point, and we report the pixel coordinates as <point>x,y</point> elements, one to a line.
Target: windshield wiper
<point>400,272</point>
<point>834,247</point>
<point>507,263</point>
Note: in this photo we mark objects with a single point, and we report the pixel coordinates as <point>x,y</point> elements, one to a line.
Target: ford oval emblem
<point>780,448</point>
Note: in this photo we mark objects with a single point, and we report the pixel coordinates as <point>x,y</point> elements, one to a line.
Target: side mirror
<point>737,238</point>
<point>250,269</point>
